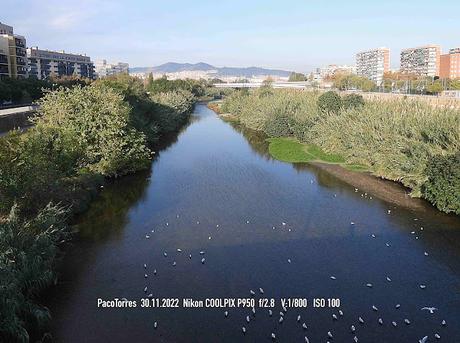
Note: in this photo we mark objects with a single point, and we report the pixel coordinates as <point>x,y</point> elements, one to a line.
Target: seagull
<point>394,324</point>
<point>167,224</point>
<point>243,329</point>
<point>329,334</point>
<point>283,223</point>
<point>341,312</point>
<point>201,252</point>
<point>387,244</point>
<point>270,313</point>
<point>334,317</point>
<point>423,340</point>
<point>202,260</point>
<point>273,336</point>
<point>355,339</point>
<point>422,286</point>
<point>261,290</point>
<point>361,320</point>
<point>150,295</point>
<point>145,266</point>
<point>198,223</point>
<point>289,260</point>
<point>425,253</point>
<point>352,223</point>
<point>389,211</point>
<point>179,250</point>
<point>298,318</point>
<point>282,314</point>
<point>247,319</point>
<point>145,289</point>
<point>307,340</point>
<point>398,306</point>
<point>369,285</point>
<point>333,278</point>
<point>217,225</point>
<point>304,326</point>
<point>374,308</point>
<point>437,336</point>
<point>252,292</point>
<point>253,311</point>
<point>443,323</point>
<point>373,236</point>
<point>154,272</point>
<point>174,263</point>
<point>388,279</point>
<point>190,256</point>
<point>353,329</point>
<point>147,236</point>
<point>380,321</point>
<point>155,325</point>
<point>209,237</point>
<point>247,221</point>
<point>165,254</point>
<point>226,314</point>
<point>146,276</point>
<point>281,319</point>
<point>407,321</point>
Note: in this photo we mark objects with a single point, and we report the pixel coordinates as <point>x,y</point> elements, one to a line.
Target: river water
<point>215,189</point>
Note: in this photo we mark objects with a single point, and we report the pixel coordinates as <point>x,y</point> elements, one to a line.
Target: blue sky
<point>289,34</point>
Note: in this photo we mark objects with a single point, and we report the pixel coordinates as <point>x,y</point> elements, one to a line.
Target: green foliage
<point>98,118</point>
<point>352,101</point>
<point>295,77</point>
<point>163,85</point>
<point>392,139</point>
<point>351,81</point>
<point>278,126</point>
<point>442,187</point>
<point>330,102</point>
<point>28,250</point>
<point>435,87</point>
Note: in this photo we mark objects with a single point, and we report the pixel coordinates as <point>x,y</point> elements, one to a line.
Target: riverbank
<point>407,142</point>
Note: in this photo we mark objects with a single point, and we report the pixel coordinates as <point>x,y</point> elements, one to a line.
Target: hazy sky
<point>289,34</point>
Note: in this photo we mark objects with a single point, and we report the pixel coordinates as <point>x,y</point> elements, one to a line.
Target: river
<point>293,230</point>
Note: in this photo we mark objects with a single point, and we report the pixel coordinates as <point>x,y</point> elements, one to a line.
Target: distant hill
<point>172,67</point>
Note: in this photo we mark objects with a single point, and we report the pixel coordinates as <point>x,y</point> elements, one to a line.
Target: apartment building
<point>421,61</point>
<point>103,68</point>
<point>13,60</point>
<point>333,69</point>
<point>450,65</point>
<point>373,64</point>
<point>45,63</point>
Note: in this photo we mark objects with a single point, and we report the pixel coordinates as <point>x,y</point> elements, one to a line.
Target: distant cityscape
<point>19,61</point>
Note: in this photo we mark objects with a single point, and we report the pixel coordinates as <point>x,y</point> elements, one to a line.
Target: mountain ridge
<point>174,67</point>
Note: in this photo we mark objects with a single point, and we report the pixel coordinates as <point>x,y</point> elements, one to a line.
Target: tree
<point>295,77</point>
<point>435,87</point>
<point>329,102</point>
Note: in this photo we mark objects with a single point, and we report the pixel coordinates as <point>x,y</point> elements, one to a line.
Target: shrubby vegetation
<point>402,140</point>
<point>81,136</point>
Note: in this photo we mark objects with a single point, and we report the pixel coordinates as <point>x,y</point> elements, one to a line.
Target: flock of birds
<point>282,314</point>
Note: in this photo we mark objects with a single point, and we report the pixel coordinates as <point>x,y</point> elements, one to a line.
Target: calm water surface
<point>222,177</point>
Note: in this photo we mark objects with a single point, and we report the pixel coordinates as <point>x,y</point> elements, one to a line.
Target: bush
<point>278,126</point>
<point>442,187</point>
<point>28,250</point>
<point>330,102</point>
<point>98,118</point>
<point>352,101</point>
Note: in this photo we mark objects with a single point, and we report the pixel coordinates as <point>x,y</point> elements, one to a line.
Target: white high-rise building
<point>373,64</point>
<point>421,61</point>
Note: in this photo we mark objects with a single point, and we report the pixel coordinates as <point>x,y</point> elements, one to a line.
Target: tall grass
<point>395,139</point>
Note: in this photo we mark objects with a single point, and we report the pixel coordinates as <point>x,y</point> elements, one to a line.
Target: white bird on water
<point>174,263</point>
<point>179,250</point>
<point>243,329</point>
<point>253,310</point>
<point>352,328</point>
<point>201,252</point>
<point>155,325</point>
<point>273,336</point>
<point>247,319</point>
<point>281,319</point>
<point>407,321</point>
<point>355,339</point>
<point>154,272</point>
<point>147,236</point>
<point>226,314</point>
<point>388,279</point>
<point>394,324</point>
<point>369,285</point>
<point>443,323</point>
<point>437,336</point>
<point>334,317</point>
<point>298,318</point>
<point>145,266</point>
<point>252,292</point>
<point>374,308</point>
<point>333,277</point>
<point>330,334</point>
<point>422,286</point>
<point>289,260</point>
<point>307,340</point>
<point>380,321</point>
<point>361,320</point>
<point>341,313</point>
<point>261,290</point>
<point>270,313</point>
<point>165,254</point>
<point>202,260</point>
<point>398,306</point>
<point>305,327</point>
<point>423,340</point>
